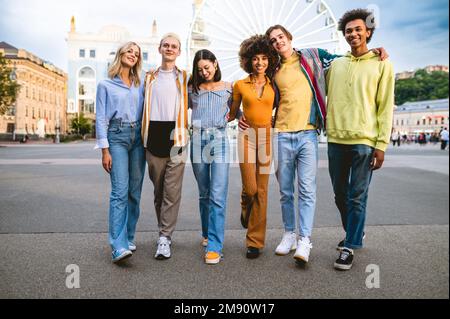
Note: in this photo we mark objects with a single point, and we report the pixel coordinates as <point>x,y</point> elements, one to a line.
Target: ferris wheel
<point>221,25</point>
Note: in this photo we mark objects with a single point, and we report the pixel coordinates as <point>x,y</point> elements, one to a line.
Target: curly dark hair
<point>258,44</point>
<point>363,14</point>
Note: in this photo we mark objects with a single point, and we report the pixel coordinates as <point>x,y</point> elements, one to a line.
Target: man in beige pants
<point>165,135</point>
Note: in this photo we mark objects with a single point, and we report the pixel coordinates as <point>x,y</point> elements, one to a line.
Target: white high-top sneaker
<point>303,249</point>
<point>163,250</point>
<point>288,243</point>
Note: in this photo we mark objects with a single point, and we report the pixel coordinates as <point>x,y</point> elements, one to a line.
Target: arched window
<point>86,73</point>
<point>86,90</point>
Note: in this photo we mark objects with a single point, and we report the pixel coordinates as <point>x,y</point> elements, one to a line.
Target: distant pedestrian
<point>118,118</point>
<point>444,139</point>
<point>422,139</point>
<point>396,137</point>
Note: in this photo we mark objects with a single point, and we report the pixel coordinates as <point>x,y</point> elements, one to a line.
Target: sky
<point>414,32</point>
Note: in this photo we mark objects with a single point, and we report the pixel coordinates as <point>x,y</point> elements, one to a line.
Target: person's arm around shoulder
<point>235,108</point>
<point>326,58</point>
<point>235,102</point>
<point>385,112</point>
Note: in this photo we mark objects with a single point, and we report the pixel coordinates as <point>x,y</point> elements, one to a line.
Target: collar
<point>248,79</point>
<point>117,80</point>
<point>155,72</point>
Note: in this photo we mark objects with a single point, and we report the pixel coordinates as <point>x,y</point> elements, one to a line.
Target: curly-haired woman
<point>257,96</point>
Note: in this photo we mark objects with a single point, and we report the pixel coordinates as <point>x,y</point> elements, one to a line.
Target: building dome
<point>115,33</point>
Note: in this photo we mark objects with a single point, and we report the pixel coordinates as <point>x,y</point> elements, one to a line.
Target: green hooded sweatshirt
<point>360,102</point>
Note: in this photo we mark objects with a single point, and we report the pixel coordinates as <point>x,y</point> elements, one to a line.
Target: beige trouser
<point>167,178</point>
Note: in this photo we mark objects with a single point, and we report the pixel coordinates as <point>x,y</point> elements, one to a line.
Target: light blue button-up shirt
<point>209,108</point>
<point>115,100</point>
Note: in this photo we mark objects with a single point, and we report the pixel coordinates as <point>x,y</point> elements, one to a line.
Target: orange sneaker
<point>212,258</point>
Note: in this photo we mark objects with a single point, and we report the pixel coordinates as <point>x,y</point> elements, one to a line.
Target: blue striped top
<point>210,108</point>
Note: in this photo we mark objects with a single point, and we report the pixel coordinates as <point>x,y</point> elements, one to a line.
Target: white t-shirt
<point>444,135</point>
<point>164,97</point>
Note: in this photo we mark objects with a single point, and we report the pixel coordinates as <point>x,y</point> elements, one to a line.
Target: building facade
<point>90,55</point>
<point>424,116</point>
<point>431,68</point>
<point>40,108</point>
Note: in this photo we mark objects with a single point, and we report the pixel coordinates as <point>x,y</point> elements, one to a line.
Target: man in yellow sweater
<point>359,122</point>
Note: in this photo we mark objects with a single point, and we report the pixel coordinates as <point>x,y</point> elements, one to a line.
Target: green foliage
<point>81,125</point>
<point>8,88</point>
<point>423,86</point>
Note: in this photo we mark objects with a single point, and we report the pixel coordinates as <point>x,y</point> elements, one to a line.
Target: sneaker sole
<point>162,257</point>
<point>133,250</point>
<point>342,267</point>
<point>301,259</point>
<point>212,261</point>
<point>122,258</point>
<point>282,254</point>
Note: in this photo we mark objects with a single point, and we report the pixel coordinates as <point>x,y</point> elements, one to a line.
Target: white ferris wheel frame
<point>255,27</point>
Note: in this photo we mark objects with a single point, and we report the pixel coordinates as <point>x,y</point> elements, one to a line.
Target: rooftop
<point>435,105</point>
<point>7,46</point>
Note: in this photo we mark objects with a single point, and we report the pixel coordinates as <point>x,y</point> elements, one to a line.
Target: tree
<point>423,86</point>
<point>81,125</point>
<point>8,87</point>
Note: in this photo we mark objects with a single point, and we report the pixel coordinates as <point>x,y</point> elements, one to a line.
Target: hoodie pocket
<point>349,120</point>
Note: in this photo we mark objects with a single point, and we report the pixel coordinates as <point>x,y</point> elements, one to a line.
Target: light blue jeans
<point>298,153</point>
<point>210,163</point>
<point>127,175</point>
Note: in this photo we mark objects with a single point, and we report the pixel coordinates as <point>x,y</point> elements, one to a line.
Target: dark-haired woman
<point>208,99</point>
<point>257,96</point>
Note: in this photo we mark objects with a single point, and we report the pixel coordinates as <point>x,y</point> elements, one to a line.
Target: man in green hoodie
<point>359,122</point>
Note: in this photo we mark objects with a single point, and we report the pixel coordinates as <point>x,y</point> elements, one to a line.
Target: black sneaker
<point>340,246</point>
<point>252,252</point>
<point>345,260</point>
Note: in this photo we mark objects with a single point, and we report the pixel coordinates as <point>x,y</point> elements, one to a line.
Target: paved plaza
<point>54,213</point>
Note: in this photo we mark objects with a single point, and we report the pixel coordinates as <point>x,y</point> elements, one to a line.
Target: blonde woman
<point>118,125</point>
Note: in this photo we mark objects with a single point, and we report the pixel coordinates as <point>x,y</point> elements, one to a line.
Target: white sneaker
<point>288,243</point>
<point>163,250</point>
<point>303,249</point>
<point>132,246</point>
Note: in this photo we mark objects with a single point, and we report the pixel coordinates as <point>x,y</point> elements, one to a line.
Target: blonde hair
<point>170,35</point>
<point>116,66</point>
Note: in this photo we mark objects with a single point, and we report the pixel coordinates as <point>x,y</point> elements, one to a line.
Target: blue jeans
<point>210,163</point>
<point>127,175</point>
<point>350,172</point>
<point>298,153</point>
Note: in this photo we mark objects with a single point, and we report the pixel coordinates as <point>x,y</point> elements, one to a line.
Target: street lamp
<point>57,124</point>
<point>13,77</point>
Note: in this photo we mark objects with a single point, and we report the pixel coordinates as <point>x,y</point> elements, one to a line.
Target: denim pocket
<point>114,129</point>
